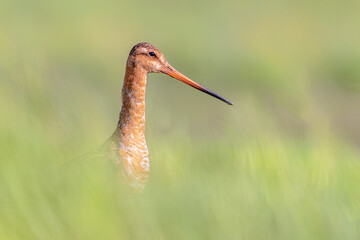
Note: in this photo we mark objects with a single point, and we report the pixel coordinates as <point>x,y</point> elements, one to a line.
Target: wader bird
<point>128,145</point>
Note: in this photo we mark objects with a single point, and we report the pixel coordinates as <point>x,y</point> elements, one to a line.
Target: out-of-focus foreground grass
<point>282,163</point>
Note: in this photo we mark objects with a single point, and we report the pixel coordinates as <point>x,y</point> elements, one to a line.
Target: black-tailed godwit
<point>128,145</point>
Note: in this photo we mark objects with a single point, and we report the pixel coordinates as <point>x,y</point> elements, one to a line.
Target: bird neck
<point>132,115</point>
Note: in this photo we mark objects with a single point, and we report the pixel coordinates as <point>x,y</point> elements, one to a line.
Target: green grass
<point>263,189</point>
<point>282,163</point>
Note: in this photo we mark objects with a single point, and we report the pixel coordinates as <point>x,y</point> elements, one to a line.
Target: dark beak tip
<point>229,103</point>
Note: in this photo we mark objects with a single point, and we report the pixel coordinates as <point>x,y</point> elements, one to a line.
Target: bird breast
<point>133,155</point>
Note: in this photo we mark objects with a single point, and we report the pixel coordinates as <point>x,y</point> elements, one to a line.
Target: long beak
<point>172,72</point>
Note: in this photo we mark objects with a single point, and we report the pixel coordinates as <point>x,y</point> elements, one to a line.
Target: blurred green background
<point>282,163</point>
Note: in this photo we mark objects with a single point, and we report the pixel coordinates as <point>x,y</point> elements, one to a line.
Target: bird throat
<point>132,115</point>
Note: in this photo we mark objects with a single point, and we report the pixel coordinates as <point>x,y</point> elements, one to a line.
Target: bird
<point>127,145</point>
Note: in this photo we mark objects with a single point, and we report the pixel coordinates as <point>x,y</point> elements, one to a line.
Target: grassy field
<point>282,163</point>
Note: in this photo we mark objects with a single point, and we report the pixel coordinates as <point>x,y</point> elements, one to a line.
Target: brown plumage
<point>128,145</point>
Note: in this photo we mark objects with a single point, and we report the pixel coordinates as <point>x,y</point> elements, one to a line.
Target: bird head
<point>150,59</point>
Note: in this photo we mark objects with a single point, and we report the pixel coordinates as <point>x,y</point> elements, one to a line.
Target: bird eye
<point>152,54</point>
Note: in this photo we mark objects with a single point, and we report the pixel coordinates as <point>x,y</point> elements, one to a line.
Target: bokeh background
<point>282,163</point>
